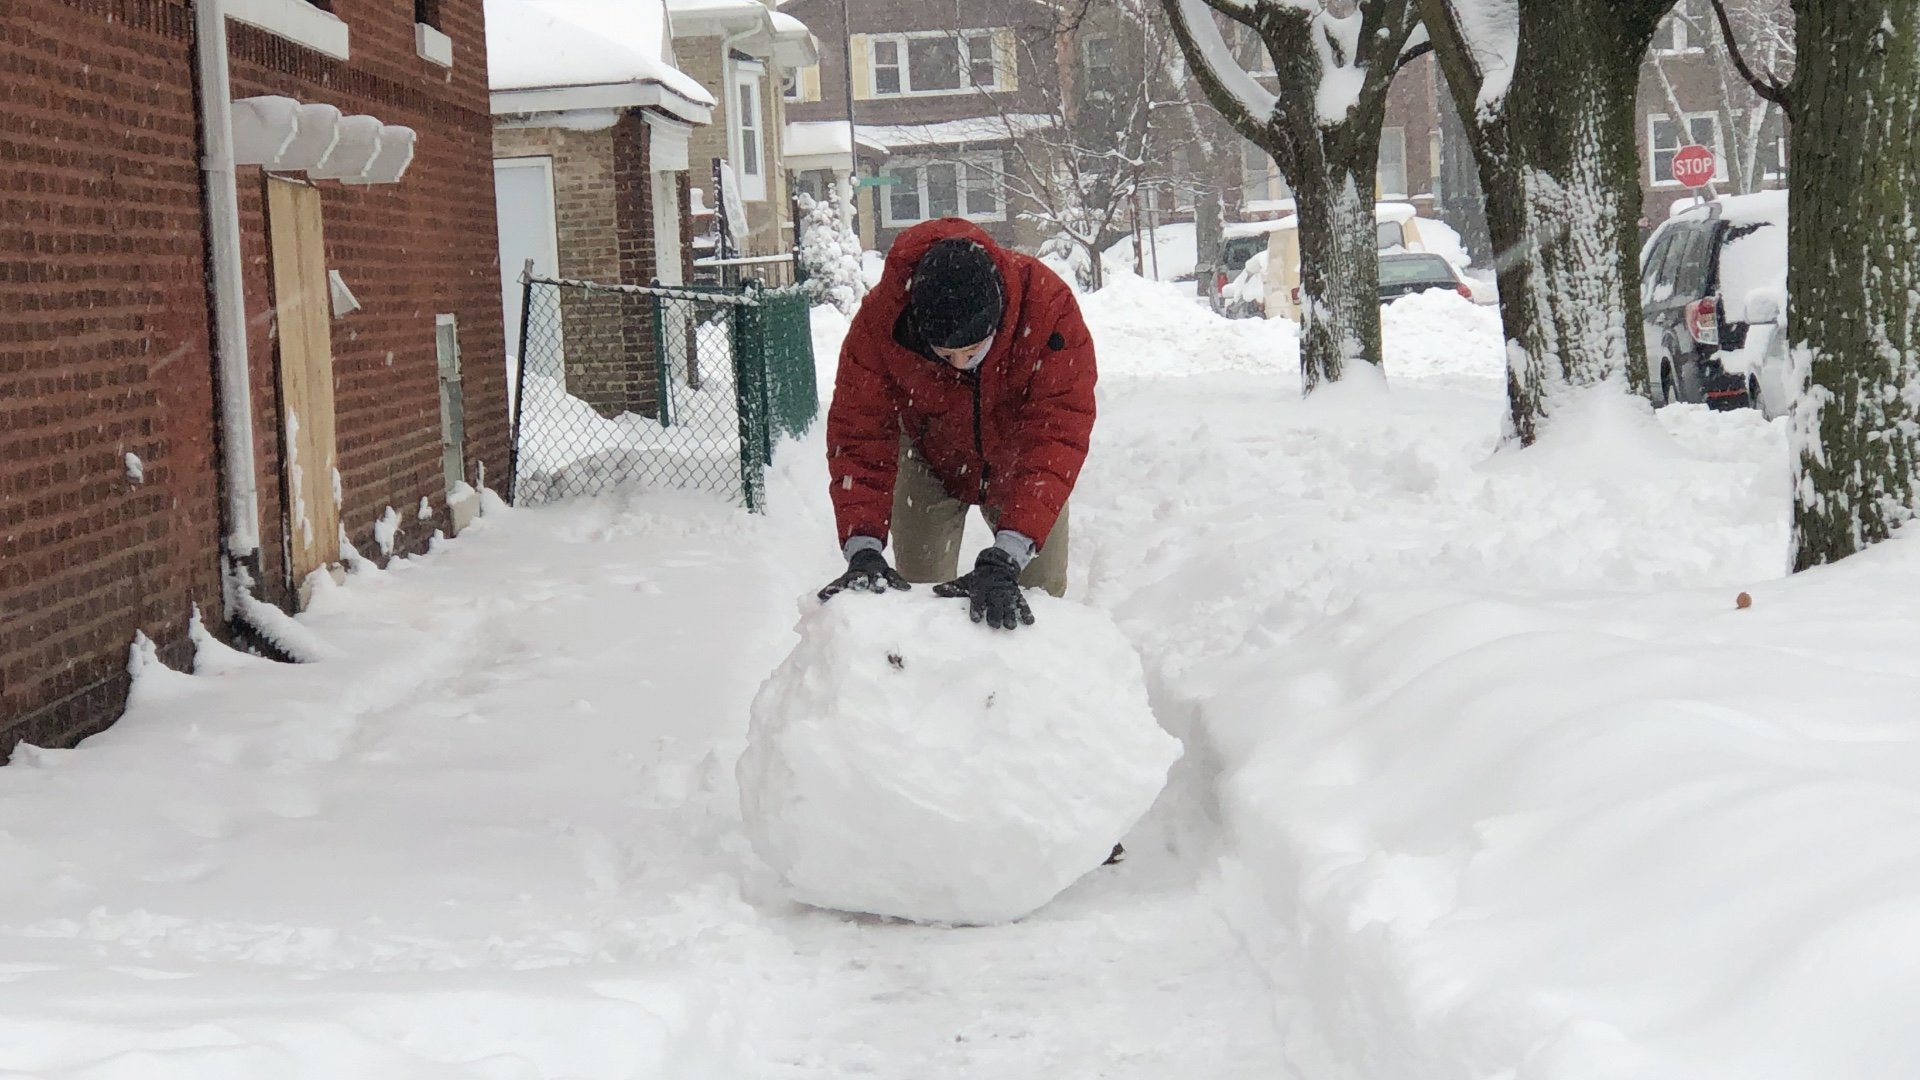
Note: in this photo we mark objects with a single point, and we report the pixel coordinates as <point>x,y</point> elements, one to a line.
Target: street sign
<point>877,181</point>
<point>1694,166</point>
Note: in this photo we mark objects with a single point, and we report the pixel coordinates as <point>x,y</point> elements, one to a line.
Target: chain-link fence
<point>657,387</point>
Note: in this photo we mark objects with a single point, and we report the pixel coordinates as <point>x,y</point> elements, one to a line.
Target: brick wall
<point>767,219</point>
<point>104,336</point>
<point>103,353</point>
<point>410,251</point>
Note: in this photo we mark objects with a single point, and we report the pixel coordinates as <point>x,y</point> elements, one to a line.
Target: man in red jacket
<point>966,379</point>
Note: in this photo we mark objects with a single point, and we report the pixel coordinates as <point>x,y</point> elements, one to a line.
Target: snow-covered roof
<point>821,138</point>
<point>1249,228</point>
<point>1769,207</point>
<point>780,35</point>
<point>976,129</point>
<point>544,45</point>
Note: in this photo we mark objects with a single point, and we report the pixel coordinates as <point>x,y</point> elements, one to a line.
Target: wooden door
<point>303,315</point>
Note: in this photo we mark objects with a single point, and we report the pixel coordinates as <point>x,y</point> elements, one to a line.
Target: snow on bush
<point>904,761</point>
<point>830,249</point>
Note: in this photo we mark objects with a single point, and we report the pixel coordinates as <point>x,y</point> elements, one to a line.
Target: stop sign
<point>1693,166</point>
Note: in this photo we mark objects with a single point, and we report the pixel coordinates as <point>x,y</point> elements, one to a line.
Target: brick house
<point>1409,146</point>
<point>590,155</point>
<point>1690,93</point>
<point>744,53</point>
<point>208,374</point>
<point>941,92</point>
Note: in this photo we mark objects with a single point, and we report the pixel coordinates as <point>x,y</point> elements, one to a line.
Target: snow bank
<point>1656,837</point>
<point>904,761</point>
<point>1439,333</point>
<point>1173,248</point>
<point>1147,329</point>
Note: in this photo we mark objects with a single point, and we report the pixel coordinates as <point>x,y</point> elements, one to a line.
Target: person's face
<point>960,356</point>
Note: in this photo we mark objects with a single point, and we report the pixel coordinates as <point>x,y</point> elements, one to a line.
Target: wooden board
<point>303,315</point>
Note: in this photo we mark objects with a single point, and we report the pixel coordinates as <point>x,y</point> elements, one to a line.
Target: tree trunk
<point>1207,231</point>
<point>1855,286</point>
<point>1562,177</point>
<point>1328,160</point>
<point>1339,269</point>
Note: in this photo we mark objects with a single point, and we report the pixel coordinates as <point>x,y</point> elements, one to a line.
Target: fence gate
<point>657,387</point>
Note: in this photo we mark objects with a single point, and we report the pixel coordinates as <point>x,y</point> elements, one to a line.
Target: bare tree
<point>1077,155</point>
<point>1333,62</point>
<point>1764,31</point>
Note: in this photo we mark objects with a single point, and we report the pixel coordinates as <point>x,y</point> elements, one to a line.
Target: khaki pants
<point>928,523</point>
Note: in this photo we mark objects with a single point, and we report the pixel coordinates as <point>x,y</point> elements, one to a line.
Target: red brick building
<point>117,501</point>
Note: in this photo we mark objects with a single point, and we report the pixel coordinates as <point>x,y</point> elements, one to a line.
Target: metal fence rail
<point>653,387</point>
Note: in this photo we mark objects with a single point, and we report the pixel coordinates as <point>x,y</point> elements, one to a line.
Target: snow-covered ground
<point>1488,775</point>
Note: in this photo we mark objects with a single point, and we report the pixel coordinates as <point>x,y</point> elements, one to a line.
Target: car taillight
<point>1220,281</point>
<point>1703,321</point>
<point>1295,294</point>
<point>1463,290</point>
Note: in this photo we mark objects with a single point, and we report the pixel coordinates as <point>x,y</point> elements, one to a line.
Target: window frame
<point>1398,135</point>
<point>1269,176</point>
<point>1676,27</point>
<point>963,163</point>
<point>1654,150</point>
<point>748,78</point>
<point>963,44</point>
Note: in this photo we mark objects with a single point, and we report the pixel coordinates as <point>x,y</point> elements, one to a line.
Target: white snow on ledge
<point>977,129</point>
<point>432,45</point>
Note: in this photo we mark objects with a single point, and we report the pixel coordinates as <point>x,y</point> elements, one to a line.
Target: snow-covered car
<point>1406,273</point>
<point>1709,276</point>
<point>1245,296</point>
<point>1239,242</point>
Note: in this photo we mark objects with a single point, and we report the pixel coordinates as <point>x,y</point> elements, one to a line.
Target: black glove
<point>867,571</point>
<point>994,589</point>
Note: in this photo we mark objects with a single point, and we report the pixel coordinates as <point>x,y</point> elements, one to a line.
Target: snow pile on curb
<point>1144,329</point>
<point>904,761</point>
<point>1442,334</point>
<point>1652,837</point>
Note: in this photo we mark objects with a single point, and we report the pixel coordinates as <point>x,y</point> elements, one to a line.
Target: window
<point>426,12</point>
<point>753,180</point>
<point>1681,31</point>
<point>1390,175</point>
<point>1096,59</point>
<point>1664,139</point>
<point>1773,146</point>
<point>969,187</point>
<point>1260,179</point>
<point>935,63</point>
<point>886,67</point>
<point>790,88</point>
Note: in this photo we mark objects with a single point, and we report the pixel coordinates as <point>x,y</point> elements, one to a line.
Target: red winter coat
<point>1012,434</point>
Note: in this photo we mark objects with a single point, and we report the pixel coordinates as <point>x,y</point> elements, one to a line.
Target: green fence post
<point>662,360</point>
<point>749,380</point>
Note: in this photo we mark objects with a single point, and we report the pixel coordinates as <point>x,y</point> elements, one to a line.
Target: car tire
<point>1668,394</point>
<point>1753,396</point>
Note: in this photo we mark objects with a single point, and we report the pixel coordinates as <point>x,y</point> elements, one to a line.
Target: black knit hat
<point>955,294</point>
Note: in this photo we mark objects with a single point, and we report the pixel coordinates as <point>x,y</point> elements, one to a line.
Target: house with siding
<point>746,55</point>
<point>941,94</point>
<point>232,324</point>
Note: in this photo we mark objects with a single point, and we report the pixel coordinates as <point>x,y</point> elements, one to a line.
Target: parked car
<point>1239,241</point>
<point>1245,297</point>
<point>1709,276</point>
<point>1406,273</point>
<point>1396,233</point>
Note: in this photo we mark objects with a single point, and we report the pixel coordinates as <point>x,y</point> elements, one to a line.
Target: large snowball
<point>905,761</point>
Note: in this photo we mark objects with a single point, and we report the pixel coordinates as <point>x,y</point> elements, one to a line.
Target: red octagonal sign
<point>1694,166</point>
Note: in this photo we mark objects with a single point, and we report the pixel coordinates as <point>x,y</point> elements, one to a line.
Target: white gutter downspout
<point>229,300</point>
